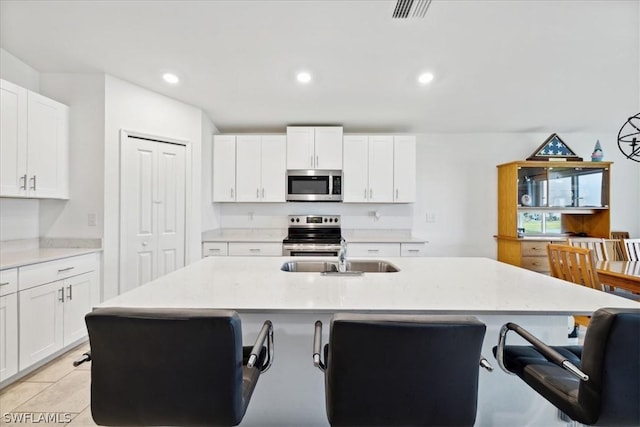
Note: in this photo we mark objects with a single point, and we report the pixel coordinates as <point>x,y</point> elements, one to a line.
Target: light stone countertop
<point>33,256</point>
<point>277,235</point>
<point>21,252</point>
<point>423,285</point>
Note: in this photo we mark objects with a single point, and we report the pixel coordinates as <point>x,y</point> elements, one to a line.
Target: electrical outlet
<point>431,216</point>
<point>92,220</point>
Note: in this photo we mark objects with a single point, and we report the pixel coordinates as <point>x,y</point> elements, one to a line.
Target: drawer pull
<point>373,250</point>
<point>414,250</point>
<point>214,249</point>
<point>62,270</point>
<point>5,283</point>
<point>254,250</point>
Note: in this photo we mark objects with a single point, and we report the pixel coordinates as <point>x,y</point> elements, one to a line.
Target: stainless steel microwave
<point>314,185</point>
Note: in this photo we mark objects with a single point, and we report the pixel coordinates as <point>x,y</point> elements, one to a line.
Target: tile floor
<point>56,387</point>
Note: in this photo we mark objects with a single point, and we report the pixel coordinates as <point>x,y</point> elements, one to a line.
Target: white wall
<point>18,72</point>
<point>210,211</point>
<point>84,94</point>
<point>457,184</point>
<point>132,108</point>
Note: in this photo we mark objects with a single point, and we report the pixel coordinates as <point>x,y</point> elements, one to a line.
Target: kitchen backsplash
<point>274,215</point>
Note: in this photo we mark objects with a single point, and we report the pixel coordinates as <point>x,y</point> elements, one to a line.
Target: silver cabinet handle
<point>4,283</point>
<point>69,293</point>
<point>396,194</point>
<point>33,180</point>
<point>62,270</point>
<point>254,250</point>
<point>232,193</point>
<point>373,250</point>
<point>312,161</point>
<point>365,193</point>
<point>414,250</point>
<point>214,249</point>
<point>371,193</point>
<point>257,193</point>
<point>317,161</point>
<point>263,193</point>
<point>61,294</point>
<point>23,179</point>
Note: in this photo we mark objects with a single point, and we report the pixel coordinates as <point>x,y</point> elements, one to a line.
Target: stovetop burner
<point>314,229</point>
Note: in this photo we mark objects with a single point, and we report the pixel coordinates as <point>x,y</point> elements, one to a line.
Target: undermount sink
<point>362,266</point>
<point>309,266</point>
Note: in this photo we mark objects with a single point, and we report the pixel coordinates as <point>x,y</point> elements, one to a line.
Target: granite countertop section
<point>245,235</point>
<point>423,285</point>
<point>380,236</point>
<point>18,253</point>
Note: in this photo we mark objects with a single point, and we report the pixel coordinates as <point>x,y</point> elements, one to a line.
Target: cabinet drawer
<point>255,249</point>
<point>535,263</point>
<point>534,248</point>
<point>373,249</point>
<point>413,249</point>
<point>45,272</point>
<point>214,249</point>
<point>8,281</point>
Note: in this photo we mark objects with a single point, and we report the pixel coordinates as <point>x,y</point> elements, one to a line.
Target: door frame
<point>124,136</point>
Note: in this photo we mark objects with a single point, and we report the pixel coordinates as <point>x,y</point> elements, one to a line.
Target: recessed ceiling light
<point>171,78</point>
<point>425,78</point>
<point>303,77</point>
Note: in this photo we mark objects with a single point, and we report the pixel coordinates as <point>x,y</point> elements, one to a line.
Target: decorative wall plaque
<point>628,138</point>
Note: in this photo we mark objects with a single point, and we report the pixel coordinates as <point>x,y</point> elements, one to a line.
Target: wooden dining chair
<point>619,235</point>
<point>597,244</point>
<point>576,265</point>
<point>631,249</point>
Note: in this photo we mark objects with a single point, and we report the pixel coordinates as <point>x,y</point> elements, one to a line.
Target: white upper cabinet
<point>224,168</point>
<point>404,169</point>
<point>34,145</point>
<point>314,147</point>
<point>368,169</point>
<point>249,168</point>
<point>379,169</point>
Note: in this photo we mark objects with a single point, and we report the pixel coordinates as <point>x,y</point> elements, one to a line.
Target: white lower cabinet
<point>373,249</point>
<point>53,298</point>
<point>413,249</point>
<point>215,249</point>
<point>8,335</point>
<point>255,249</point>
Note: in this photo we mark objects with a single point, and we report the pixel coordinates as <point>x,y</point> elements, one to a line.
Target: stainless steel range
<point>312,235</point>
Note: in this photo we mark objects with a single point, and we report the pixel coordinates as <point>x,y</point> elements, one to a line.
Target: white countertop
<point>33,256</point>
<point>277,235</point>
<point>245,235</point>
<point>424,285</point>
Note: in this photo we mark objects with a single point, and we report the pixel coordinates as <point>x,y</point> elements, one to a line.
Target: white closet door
<point>170,204</point>
<point>152,211</point>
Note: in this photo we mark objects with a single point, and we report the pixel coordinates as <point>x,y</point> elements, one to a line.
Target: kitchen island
<point>292,392</point>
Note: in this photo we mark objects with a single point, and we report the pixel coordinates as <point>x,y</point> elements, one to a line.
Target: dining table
<point>620,274</point>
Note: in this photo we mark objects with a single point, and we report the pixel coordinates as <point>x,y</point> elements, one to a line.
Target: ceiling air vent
<point>411,9</point>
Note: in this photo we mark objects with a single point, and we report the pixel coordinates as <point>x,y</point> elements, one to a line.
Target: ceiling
<point>514,66</point>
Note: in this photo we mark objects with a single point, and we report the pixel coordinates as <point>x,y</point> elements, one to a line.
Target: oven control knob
<point>297,219</point>
<point>325,220</point>
<point>293,220</point>
<point>335,219</point>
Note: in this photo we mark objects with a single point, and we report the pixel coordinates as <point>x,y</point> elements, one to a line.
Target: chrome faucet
<point>342,256</point>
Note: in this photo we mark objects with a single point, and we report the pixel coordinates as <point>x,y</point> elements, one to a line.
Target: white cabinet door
<point>77,303</point>
<point>255,249</point>
<point>248,170</point>
<point>8,336</point>
<point>47,147</point>
<point>274,165</point>
<point>13,140</point>
<point>373,249</point>
<point>300,147</point>
<point>404,169</point>
<point>224,168</point>
<point>328,147</point>
<point>41,327</point>
<point>355,175</point>
<point>380,169</point>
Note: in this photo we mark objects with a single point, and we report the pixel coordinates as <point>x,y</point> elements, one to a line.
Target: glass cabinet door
<point>578,187</point>
<point>532,187</point>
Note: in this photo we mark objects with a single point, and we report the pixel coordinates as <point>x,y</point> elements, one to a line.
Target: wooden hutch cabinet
<point>540,202</point>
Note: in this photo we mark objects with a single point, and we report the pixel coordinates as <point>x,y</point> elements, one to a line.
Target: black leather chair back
<point>395,370</point>
<point>166,367</point>
<point>611,358</point>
